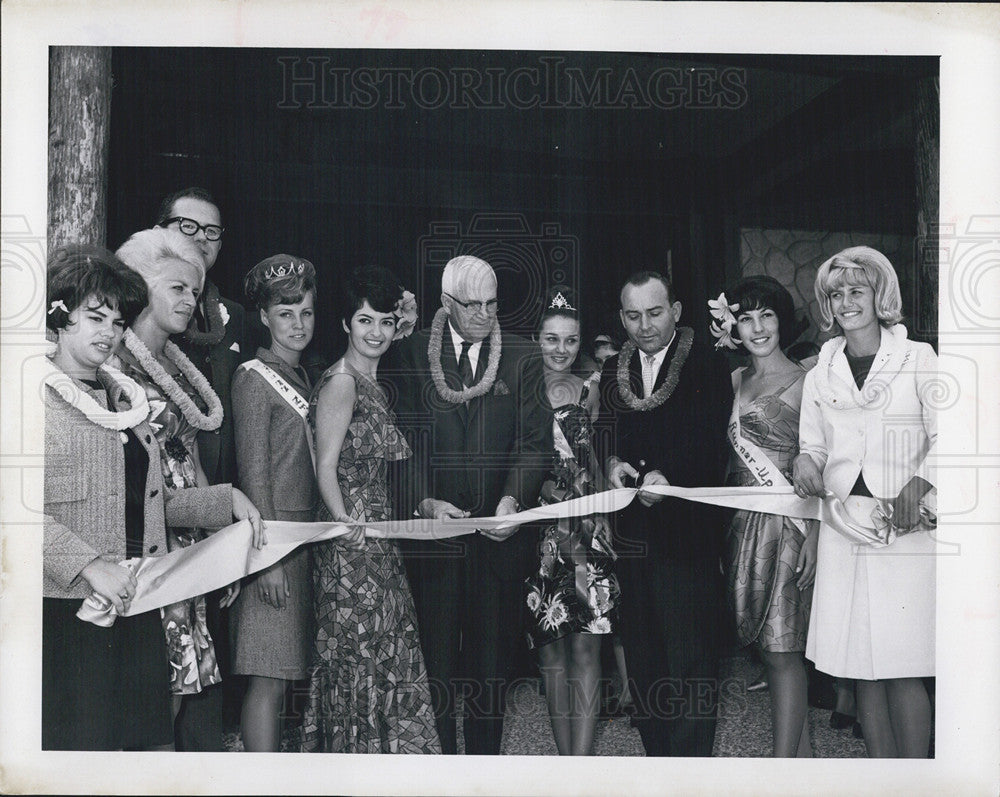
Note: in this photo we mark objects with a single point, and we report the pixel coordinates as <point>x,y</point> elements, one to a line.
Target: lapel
<point>283,370</point>
<point>143,432</point>
<point>635,369</point>
<point>888,345</point>
<point>665,365</point>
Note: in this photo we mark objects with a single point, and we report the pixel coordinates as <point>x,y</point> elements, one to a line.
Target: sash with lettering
<point>289,394</point>
<point>758,463</point>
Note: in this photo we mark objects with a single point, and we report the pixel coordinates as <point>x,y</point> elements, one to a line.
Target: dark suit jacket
<point>217,449</point>
<point>684,438</point>
<point>473,454</point>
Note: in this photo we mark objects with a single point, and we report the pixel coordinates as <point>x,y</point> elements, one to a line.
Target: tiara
<point>559,303</point>
<point>273,272</point>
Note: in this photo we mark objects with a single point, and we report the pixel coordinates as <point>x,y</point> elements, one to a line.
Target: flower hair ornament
<point>723,321</point>
<point>406,315</point>
<point>559,303</point>
<point>274,272</point>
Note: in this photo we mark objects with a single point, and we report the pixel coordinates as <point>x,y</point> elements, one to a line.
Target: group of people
<point>405,642</point>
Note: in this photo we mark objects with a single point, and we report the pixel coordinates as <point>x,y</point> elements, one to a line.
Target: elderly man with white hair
<point>472,401</point>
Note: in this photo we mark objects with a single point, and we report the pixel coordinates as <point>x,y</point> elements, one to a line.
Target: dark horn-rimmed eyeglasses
<point>213,232</point>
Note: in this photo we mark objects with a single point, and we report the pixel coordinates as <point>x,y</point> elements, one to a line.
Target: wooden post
<point>925,266</point>
<point>79,116</point>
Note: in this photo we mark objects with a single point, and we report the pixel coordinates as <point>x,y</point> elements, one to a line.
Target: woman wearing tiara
<point>772,559</point>
<point>181,402</point>
<point>369,691</point>
<point>272,617</point>
<point>573,596</point>
<point>104,688</point>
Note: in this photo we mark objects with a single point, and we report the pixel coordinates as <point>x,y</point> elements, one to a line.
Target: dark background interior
<point>581,195</point>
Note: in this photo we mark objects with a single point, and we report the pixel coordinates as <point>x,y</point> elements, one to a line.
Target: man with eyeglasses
<point>471,399</point>
<point>215,343</point>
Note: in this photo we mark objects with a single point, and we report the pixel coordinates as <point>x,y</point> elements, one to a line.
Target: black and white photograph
<point>525,382</point>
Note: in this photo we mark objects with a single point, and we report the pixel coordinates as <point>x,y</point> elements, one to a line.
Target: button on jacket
<point>85,495</point>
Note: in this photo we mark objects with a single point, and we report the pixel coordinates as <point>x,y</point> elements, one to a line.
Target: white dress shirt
<point>651,369</point>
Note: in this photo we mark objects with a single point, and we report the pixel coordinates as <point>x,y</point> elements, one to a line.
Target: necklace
<point>669,383</point>
<point>437,371</point>
<point>95,413</point>
<point>169,386</point>
<point>213,315</point>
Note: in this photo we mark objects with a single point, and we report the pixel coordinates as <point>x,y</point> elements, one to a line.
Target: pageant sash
<point>289,394</point>
<point>228,555</point>
<point>758,463</point>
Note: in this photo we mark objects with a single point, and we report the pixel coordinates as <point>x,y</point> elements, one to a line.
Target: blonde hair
<point>860,265</point>
<point>147,251</point>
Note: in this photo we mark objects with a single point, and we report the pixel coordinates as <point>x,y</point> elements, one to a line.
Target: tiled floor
<point>744,727</point>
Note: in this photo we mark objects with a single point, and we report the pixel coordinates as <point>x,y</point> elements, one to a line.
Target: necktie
<point>465,365</point>
<point>647,373</point>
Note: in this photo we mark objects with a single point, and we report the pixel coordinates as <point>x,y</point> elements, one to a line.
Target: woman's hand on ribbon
<point>112,582</point>
<point>272,586</point>
<point>652,477</point>
<point>243,509</point>
<point>807,478</point>
<point>806,564</point>
<point>353,539</point>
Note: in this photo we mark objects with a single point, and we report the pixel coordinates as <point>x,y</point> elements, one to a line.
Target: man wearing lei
<point>665,401</point>
<point>471,400</point>
<point>215,343</point>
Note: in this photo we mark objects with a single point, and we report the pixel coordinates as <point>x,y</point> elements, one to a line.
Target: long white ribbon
<point>228,555</point>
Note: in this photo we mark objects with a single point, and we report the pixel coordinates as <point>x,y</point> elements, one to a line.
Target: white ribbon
<point>229,555</point>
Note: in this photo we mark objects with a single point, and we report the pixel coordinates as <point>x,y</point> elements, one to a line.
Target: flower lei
<point>873,392</point>
<point>724,321</point>
<point>437,371</point>
<point>669,383</point>
<point>213,314</point>
<point>95,413</point>
<point>169,386</point>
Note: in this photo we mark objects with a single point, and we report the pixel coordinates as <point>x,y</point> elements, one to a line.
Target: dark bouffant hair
<point>279,279</point>
<point>568,307</point>
<point>194,192</point>
<point>378,285</point>
<point>79,271</point>
<point>760,293</point>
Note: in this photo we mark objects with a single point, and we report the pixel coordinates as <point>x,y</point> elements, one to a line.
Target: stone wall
<point>793,256</point>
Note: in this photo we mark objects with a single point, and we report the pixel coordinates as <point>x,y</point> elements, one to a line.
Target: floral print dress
<point>190,649</point>
<point>575,589</point>
<point>368,687</point>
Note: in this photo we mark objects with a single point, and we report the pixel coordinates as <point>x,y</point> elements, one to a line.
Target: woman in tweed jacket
<point>104,688</point>
<point>273,616</point>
